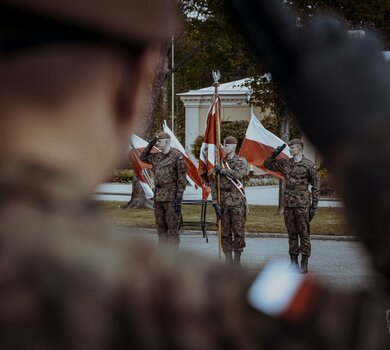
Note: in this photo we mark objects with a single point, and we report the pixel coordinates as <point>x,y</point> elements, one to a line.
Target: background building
<point>234,99</point>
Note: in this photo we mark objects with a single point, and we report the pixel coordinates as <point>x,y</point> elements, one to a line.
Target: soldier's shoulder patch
<point>177,153</point>
<point>308,162</point>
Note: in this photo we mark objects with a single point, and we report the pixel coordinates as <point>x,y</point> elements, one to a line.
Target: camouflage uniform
<point>297,199</point>
<point>170,181</point>
<point>69,280</point>
<point>233,204</point>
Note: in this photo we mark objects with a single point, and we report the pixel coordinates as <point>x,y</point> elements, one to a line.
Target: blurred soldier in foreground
<point>232,208</point>
<point>74,78</point>
<point>170,180</point>
<point>299,203</point>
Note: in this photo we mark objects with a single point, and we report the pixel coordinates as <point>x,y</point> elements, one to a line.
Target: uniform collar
<point>168,153</point>
<point>234,157</point>
<point>301,161</point>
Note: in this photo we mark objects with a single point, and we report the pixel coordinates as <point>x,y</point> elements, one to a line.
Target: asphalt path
<point>257,195</point>
<point>338,263</point>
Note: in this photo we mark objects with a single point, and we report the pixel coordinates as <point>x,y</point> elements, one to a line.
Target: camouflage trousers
<point>298,227</point>
<point>167,221</point>
<point>233,228</point>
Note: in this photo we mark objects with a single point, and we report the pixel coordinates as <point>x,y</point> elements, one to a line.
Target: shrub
<point>326,188</point>
<point>122,176</point>
<point>195,148</point>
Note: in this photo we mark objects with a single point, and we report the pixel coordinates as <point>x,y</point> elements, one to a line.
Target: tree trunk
<point>138,199</point>
<point>284,135</point>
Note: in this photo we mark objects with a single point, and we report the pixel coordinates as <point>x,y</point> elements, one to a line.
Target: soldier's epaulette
<point>308,162</point>
<point>177,153</point>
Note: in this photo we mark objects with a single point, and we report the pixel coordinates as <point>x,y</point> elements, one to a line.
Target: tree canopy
<point>210,40</point>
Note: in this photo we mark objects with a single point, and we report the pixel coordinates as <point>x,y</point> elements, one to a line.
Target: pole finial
<point>216,76</point>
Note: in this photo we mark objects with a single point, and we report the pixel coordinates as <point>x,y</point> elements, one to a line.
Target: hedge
<point>228,128</point>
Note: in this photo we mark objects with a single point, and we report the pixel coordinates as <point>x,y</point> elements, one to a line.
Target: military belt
<point>169,185</point>
<point>300,187</point>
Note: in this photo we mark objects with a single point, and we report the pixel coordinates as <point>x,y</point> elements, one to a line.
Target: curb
<point>251,234</point>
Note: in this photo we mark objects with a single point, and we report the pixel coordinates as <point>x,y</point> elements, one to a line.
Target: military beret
<point>123,20</point>
<point>163,135</point>
<point>295,142</point>
<point>231,140</point>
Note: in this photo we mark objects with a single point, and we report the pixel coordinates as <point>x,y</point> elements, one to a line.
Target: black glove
<point>153,141</point>
<point>218,169</point>
<point>177,204</point>
<point>218,211</point>
<point>150,145</point>
<point>312,212</point>
<point>277,151</point>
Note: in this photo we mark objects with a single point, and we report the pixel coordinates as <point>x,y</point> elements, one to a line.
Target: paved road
<point>259,195</point>
<point>340,264</point>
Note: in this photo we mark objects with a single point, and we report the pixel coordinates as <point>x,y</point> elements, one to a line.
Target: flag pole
<point>216,76</point>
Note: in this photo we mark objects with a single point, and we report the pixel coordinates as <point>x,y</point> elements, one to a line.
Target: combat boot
<point>294,261</point>
<point>228,257</point>
<point>304,263</point>
<point>237,258</point>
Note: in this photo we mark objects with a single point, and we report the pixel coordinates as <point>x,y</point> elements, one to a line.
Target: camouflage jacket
<point>169,174</point>
<point>230,195</point>
<point>298,176</point>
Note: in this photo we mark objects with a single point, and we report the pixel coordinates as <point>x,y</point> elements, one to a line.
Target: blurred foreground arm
<point>338,88</point>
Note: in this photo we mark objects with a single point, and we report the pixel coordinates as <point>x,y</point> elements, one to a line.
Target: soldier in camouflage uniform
<point>299,204</point>
<point>232,207</point>
<point>170,181</point>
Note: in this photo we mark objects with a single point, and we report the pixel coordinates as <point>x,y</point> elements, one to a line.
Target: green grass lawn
<point>261,219</point>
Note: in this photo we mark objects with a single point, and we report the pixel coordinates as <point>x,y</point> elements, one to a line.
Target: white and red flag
<point>192,172</point>
<point>259,144</point>
<point>137,144</point>
<point>208,151</point>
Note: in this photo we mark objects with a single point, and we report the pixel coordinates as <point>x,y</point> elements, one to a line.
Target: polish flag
<point>208,151</point>
<point>137,144</point>
<point>193,176</point>
<point>259,144</point>
<point>284,293</point>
